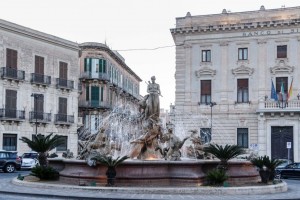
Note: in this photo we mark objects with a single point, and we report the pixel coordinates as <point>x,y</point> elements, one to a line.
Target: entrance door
<point>279,138</point>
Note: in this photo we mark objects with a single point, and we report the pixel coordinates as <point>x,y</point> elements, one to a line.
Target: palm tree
<point>224,153</point>
<point>111,164</point>
<point>42,145</point>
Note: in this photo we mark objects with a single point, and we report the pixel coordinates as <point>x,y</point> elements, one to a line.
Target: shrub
<point>216,177</point>
<point>45,173</point>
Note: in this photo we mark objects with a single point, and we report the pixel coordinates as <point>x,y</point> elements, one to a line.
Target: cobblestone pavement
<point>8,188</point>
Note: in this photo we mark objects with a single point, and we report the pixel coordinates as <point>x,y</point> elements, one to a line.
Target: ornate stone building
<point>225,67</point>
<point>107,83</point>
<point>39,87</point>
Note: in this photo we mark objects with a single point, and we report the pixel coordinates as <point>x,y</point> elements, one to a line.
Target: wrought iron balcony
<point>11,114</point>
<point>64,83</point>
<point>64,119</point>
<point>94,104</point>
<point>39,117</point>
<point>11,73</point>
<point>40,79</point>
<point>99,76</point>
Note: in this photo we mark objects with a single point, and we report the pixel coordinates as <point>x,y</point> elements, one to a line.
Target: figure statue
<point>174,144</point>
<point>153,108</point>
<point>197,149</point>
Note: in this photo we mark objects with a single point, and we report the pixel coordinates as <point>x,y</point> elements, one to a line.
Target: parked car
<point>290,171</point>
<point>283,165</point>
<point>9,161</point>
<point>29,160</point>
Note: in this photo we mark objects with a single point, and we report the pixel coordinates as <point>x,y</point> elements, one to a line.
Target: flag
<point>290,90</point>
<point>273,92</point>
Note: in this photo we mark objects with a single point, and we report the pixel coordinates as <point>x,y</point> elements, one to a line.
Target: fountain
<point>156,154</point>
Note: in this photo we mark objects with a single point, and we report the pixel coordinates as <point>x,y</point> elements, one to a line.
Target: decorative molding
<point>205,71</point>
<point>281,67</point>
<point>243,70</point>
<point>205,64</point>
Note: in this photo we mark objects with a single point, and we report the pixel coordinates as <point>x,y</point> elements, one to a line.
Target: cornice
<point>242,70</point>
<point>205,71</point>
<point>281,67</point>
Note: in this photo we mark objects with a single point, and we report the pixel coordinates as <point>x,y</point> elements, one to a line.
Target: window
<point>242,137</point>
<point>281,88</point>
<point>282,51</point>
<point>11,103</point>
<point>243,53</point>
<point>205,134</point>
<point>242,91</point>
<point>63,70</point>
<point>10,142</point>
<point>87,93</point>
<point>64,145</point>
<point>39,106</point>
<point>62,105</point>
<point>11,58</point>
<point>206,56</point>
<point>95,95</point>
<point>39,65</point>
<point>205,91</point>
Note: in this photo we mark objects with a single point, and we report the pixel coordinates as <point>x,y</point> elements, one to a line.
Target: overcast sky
<point>126,25</point>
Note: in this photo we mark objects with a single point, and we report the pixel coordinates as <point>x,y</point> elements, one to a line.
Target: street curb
<point>249,190</point>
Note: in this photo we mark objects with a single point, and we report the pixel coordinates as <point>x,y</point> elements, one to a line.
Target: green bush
<point>216,177</point>
<point>45,173</point>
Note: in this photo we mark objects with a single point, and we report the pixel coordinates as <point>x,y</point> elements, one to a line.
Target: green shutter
<point>87,93</point>
<point>104,66</point>
<point>95,93</point>
<point>90,65</point>
<point>85,64</point>
<point>101,97</point>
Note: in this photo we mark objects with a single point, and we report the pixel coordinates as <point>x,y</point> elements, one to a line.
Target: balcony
<point>40,79</point>
<point>64,84</point>
<point>12,115</point>
<point>94,104</point>
<point>63,119</point>
<point>12,74</point>
<point>40,117</point>
<point>271,106</point>
<point>99,76</point>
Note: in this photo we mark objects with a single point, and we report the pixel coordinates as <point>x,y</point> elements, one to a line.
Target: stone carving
<point>174,144</point>
<point>196,149</point>
<point>153,107</point>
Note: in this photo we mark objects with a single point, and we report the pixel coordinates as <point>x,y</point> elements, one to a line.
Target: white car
<point>29,160</point>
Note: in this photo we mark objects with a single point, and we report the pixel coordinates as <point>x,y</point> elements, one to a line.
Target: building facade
<point>107,83</point>
<point>237,79</point>
<point>38,86</point>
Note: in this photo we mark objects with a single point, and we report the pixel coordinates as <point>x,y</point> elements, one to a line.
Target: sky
<point>138,29</point>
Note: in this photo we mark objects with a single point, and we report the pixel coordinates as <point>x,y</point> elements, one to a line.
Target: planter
<point>264,175</point>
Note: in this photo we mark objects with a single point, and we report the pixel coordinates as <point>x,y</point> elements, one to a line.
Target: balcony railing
<point>279,106</point>
<point>40,79</point>
<point>64,119</point>
<point>11,73</point>
<point>39,117</point>
<point>12,114</point>
<point>94,104</point>
<point>64,83</point>
<point>99,76</point>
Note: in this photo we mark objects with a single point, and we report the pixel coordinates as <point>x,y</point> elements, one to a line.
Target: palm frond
<point>224,153</point>
<point>109,161</point>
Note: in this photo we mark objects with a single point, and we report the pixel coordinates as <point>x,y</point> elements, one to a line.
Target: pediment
<point>243,70</point>
<point>282,67</point>
<point>205,71</point>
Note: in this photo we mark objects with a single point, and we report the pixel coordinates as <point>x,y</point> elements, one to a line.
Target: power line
<point>150,49</point>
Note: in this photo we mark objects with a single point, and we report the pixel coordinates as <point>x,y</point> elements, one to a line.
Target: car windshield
<point>29,155</point>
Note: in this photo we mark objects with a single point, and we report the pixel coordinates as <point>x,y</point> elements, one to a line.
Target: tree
<point>224,153</point>
<point>42,145</point>
<point>111,164</point>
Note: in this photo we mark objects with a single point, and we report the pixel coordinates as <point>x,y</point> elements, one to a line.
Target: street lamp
<point>36,96</point>
<point>211,104</point>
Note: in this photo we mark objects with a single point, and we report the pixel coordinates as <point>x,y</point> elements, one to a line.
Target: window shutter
<point>87,93</point>
<point>62,105</point>
<point>11,99</point>
<point>85,64</point>
<point>242,83</point>
<point>63,70</point>
<point>205,87</point>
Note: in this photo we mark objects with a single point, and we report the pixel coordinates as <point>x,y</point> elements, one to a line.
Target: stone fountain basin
<point>153,172</point>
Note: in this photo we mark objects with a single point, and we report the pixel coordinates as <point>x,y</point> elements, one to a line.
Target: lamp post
<point>35,96</point>
<point>211,104</point>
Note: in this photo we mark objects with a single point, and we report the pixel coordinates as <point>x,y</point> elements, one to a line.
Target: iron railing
<point>40,79</point>
<point>39,116</point>
<point>8,72</point>
<point>63,118</point>
<point>64,83</point>
<point>12,114</point>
